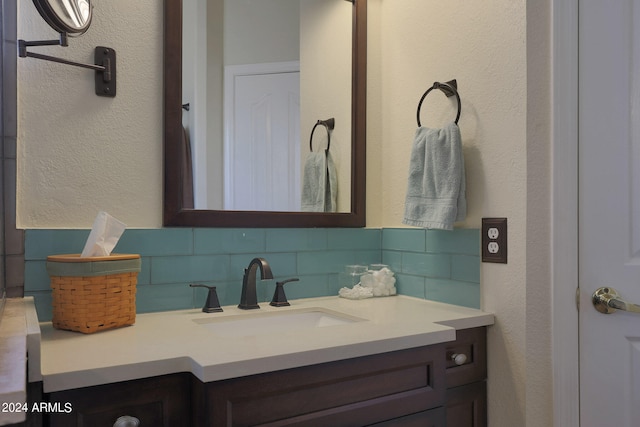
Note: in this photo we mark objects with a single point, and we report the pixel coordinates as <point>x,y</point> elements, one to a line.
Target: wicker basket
<point>93,293</point>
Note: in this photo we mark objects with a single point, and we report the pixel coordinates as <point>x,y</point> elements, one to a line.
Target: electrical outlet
<point>493,233</point>
<point>494,240</point>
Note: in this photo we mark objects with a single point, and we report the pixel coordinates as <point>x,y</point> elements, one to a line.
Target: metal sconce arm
<point>105,62</point>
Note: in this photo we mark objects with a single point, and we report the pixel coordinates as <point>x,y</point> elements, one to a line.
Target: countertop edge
<point>19,339</point>
<point>205,368</point>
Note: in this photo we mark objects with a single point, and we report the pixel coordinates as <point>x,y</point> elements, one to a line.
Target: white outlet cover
<point>493,233</point>
<point>493,247</point>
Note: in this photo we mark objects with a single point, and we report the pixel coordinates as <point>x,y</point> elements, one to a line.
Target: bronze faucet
<point>211,305</point>
<point>249,297</point>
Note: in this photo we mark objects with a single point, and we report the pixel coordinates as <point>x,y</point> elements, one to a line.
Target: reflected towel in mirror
<point>319,183</point>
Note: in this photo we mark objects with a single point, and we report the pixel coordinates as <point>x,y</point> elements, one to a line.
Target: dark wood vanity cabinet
<point>421,387</point>
<point>160,402</point>
<point>414,387</point>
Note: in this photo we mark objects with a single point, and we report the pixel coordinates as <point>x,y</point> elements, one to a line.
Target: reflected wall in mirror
<point>257,75</point>
<point>199,53</point>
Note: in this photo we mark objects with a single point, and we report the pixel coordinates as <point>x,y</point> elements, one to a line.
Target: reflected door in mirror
<point>262,144</point>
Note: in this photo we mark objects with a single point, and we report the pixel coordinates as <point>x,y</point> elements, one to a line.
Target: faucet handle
<point>279,298</point>
<point>211,305</point>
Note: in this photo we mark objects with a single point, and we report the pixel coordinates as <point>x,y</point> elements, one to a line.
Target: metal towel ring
<point>450,89</point>
<point>329,124</point>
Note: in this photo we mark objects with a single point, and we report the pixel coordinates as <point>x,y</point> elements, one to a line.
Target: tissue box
<point>91,294</point>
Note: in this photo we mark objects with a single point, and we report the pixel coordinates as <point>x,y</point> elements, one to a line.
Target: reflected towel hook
<point>329,124</point>
<point>449,88</point>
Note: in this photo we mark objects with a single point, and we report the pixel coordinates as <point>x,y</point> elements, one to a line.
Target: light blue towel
<point>436,191</point>
<point>319,183</point>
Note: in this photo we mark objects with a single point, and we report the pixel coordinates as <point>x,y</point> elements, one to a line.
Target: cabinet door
<point>160,402</point>
<point>467,405</point>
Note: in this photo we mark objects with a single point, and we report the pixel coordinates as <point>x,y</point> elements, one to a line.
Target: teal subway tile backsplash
<point>325,261</point>
<point>296,239</point>
<point>41,243</point>
<point>195,268</point>
<point>354,238</point>
<point>172,241</point>
<point>435,264</point>
<point>144,276</point>
<point>310,286</point>
<point>228,240</point>
<point>439,265</point>
<point>283,265</point>
<point>150,298</point>
<point>404,239</point>
<point>412,286</point>
<point>460,241</point>
<point>465,268</point>
<point>362,257</point>
<point>425,264</point>
<point>36,276</point>
<point>393,259</point>
<point>453,292</point>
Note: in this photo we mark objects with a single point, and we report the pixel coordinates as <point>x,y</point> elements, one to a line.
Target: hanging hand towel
<point>436,191</point>
<point>319,183</point>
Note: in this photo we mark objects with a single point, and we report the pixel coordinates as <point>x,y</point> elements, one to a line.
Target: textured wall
<point>79,153</point>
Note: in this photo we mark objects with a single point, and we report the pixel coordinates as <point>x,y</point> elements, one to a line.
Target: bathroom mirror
<point>177,212</point>
<point>71,17</point>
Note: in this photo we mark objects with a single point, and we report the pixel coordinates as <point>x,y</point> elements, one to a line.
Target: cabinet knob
<point>459,358</point>
<point>126,421</point>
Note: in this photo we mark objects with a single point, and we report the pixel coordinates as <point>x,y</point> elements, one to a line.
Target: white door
<point>609,209</point>
<point>262,151</point>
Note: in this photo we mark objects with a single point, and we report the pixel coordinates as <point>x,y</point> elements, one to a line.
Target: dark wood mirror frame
<point>175,215</point>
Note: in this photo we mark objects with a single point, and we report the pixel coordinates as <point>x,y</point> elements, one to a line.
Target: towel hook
<point>329,124</point>
<point>449,88</point>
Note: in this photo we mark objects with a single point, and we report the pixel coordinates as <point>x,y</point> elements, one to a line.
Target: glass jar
<point>351,275</point>
<point>380,279</point>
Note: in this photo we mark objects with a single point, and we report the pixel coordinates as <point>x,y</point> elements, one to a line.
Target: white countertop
<point>19,336</point>
<point>170,342</point>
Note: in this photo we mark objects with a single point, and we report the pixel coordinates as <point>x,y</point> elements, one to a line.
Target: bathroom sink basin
<point>275,322</point>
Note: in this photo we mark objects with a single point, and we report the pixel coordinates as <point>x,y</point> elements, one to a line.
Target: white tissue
<point>104,235</point>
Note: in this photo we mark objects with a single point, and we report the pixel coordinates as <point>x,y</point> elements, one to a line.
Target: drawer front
<point>352,392</point>
<point>159,402</point>
<point>473,344</point>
